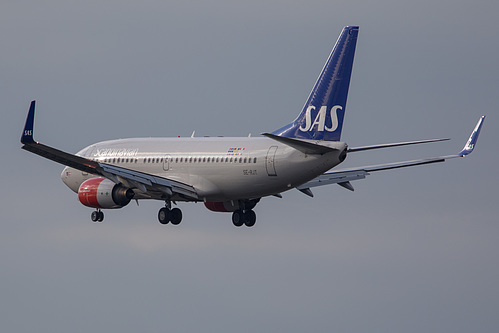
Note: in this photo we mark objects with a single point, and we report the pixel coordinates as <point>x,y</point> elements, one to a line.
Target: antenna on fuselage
<point>193,132</point>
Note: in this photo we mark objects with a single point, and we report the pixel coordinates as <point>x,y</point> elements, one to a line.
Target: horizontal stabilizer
<point>343,177</point>
<point>389,145</point>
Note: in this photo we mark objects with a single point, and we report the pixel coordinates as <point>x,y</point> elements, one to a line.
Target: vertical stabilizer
<point>323,113</point>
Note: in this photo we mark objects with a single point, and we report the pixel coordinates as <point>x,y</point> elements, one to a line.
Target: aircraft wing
<point>154,186</point>
<point>343,177</point>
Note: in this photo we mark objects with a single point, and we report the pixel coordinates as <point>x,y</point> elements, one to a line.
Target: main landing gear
<point>245,214</point>
<point>166,215</point>
<point>246,217</point>
<point>97,216</point>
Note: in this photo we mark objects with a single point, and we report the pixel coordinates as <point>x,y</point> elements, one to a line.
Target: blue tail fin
<point>27,136</point>
<point>323,113</point>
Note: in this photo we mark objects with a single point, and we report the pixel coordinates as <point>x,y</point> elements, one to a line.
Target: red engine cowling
<point>224,206</point>
<point>103,193</point>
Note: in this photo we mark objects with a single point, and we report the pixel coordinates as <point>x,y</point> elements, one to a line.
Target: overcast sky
<point>413,250</point>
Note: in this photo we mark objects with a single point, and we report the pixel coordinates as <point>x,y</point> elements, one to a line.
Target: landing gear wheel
<point>97,216</point>
<point>249,218</point>
<point>176,216</point>
<point>238,218</point>
<point>164,215</point>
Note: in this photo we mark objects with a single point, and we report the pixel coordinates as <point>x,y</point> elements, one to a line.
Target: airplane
<point>229,174</point>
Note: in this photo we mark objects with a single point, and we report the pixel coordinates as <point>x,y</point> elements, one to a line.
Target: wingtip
<point>27,135</point>
<point>471,143</point>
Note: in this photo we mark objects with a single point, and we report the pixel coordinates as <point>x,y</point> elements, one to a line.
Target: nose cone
<point>70,177</point>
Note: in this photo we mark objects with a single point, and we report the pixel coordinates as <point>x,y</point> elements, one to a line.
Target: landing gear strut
<point>166,215</point>
<point>97,216</point>
<point>246,217</point>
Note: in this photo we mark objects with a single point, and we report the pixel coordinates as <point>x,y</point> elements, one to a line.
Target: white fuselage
<point>218,168</point>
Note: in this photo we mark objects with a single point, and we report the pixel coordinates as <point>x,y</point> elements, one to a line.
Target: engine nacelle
<point>103,193</point>
<point>223,206</point>
<point>232,205</point>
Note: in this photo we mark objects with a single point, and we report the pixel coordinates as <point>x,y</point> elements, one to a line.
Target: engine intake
<point>103,193</point>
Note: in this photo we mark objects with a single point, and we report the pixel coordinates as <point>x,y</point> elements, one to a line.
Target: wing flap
<point>162,184</point>
<point>335,177</point>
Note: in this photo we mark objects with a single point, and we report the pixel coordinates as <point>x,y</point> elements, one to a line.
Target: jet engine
<point>103,193</point>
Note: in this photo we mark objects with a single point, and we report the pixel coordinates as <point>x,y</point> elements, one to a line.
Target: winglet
<point>27,136</point>
<point>470,145</point>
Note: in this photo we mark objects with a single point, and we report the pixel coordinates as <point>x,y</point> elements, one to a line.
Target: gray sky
<point>411,250</point>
